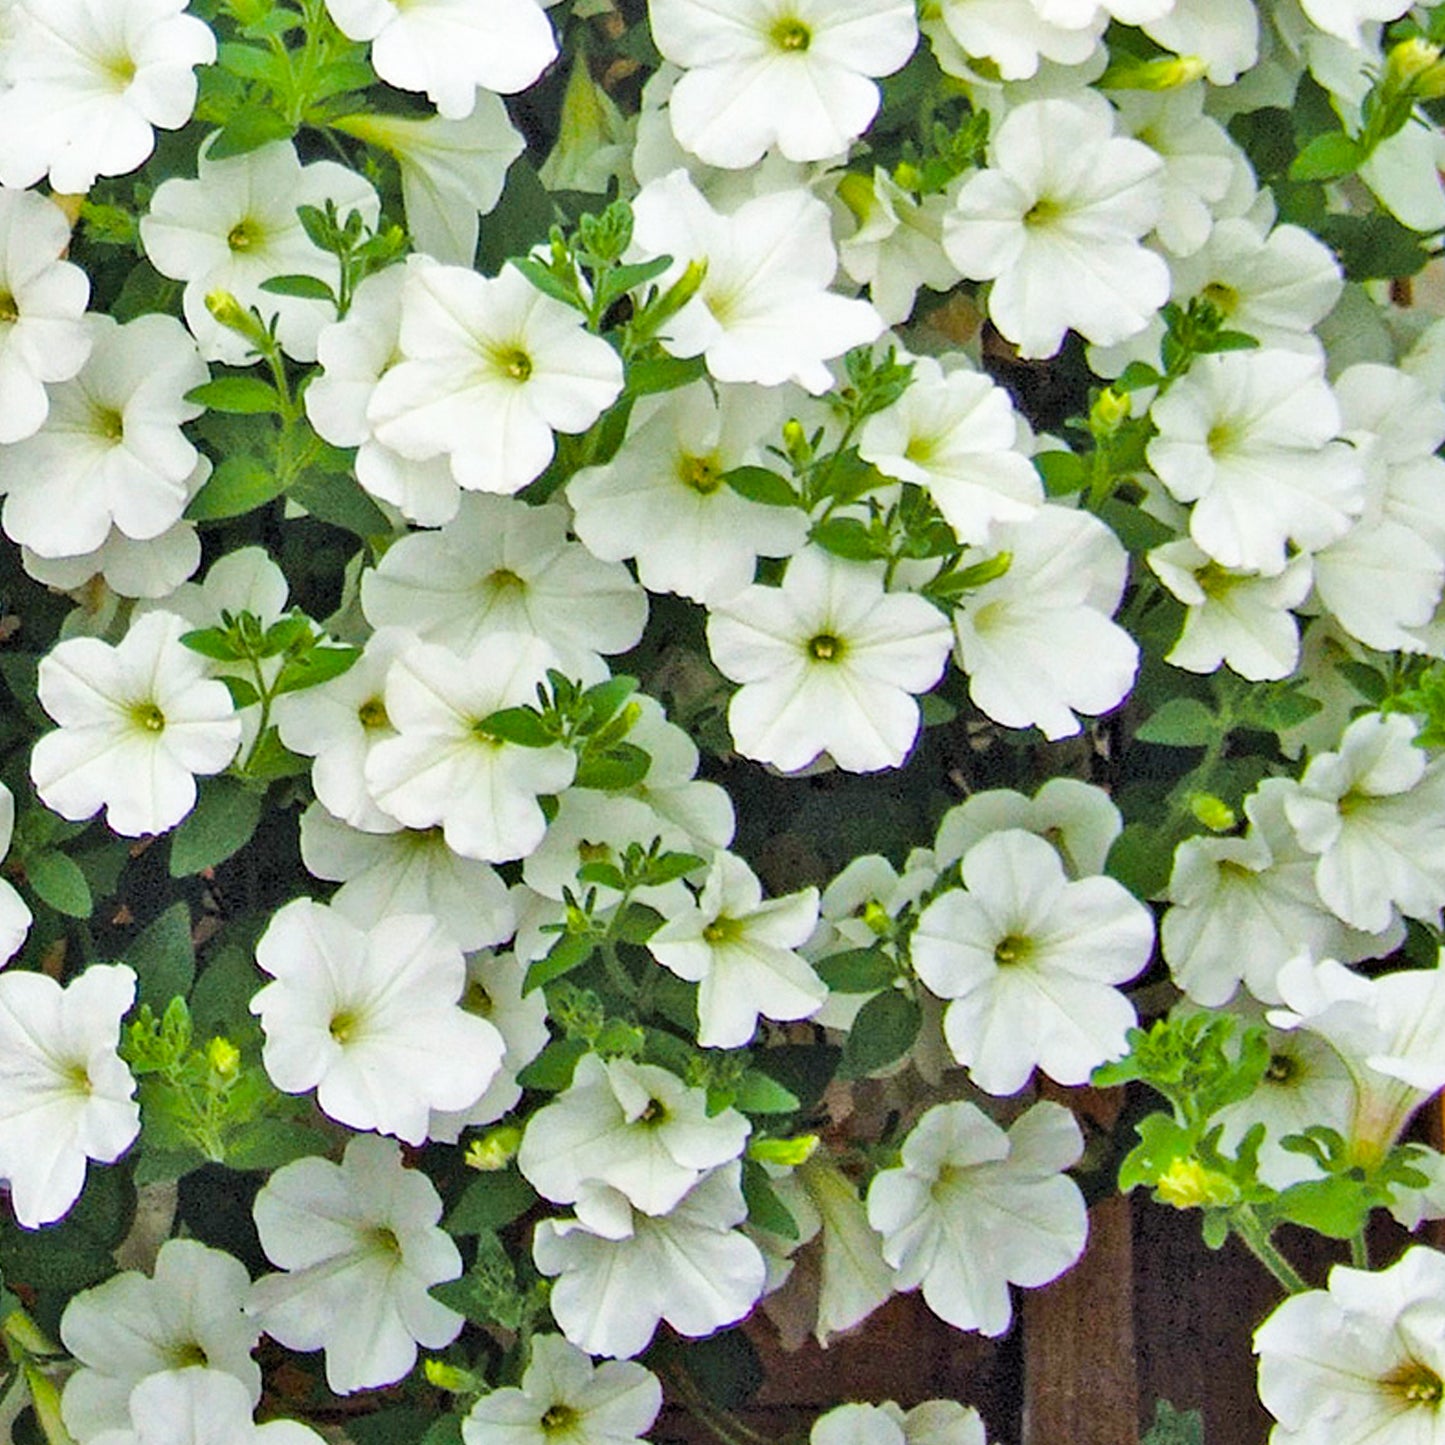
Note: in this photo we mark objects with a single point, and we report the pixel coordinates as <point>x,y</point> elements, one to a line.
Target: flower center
<point>702,474</point>
<point>343,1026</point>
<point>790,34</point>
<point>9,311</point>
<point>920,450</point>
<point>79,1078</point>
<point>190,1353</point>
<point>108,423</point>
<point>383,1239</point>
<point>1415,1384</point>
<point>243,235</point>
<point>1011,949</point>
<point>1221,438</point>
<point>1223,298</point>
<point>721,930</point>
<point>120,70</point>
<point>558,1418</point>
<point>1216,581</point>
<point>1281,1069</point>
<point>148,717</point>
<point>476,1000</point>
<point>372,714</point>
<point>514,362</point>
<point>503,580</point>
<point>654,1114</point>
<point>825,648</point>
<point>1043,212</point>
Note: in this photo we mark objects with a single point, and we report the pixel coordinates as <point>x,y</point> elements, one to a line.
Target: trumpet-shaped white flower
<point>625,1136</point>
<point>65,1094</point>
<point>1250,438</point>
<point>15,916</point>
<point>1361,1362</point>
<point>198,1406</point>
<point>1373,813</point>
<point>829,662</point>
<point>491,368</point>
<point>111,452</point>
<point>130,1327</point>
<point>360,1247</point>
<point>89,83</point>
<point>1037,642</point>
<point>763,312</point>
<point>445,769</point>
<point>792,74</point>
<point>973,1209</point>
<point>934,1422</point>
<point>450,48</point>
<point>42,299</point>
<point>1079,819</point>
<point>370,1019</point>
<point>502,566</point>
<point>741,951</point>
<point>691,1267</point>
<point>138,721</point>
<point>1030,961</point>
<point>1014,36</point>
<point>562,1390</point>
<point>235,226</point>
<point>1055,223</point>
<point>1344,18</point>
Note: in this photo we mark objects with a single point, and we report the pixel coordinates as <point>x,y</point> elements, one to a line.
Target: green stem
<point>1359,1250</point>
<point>1246,1225</point>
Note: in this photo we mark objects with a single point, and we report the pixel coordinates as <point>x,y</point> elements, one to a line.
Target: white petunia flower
<point>957,435</point>
<point>563,1393</point>
<point>1031,961</point>
<point>65,1094</point>
<point>740,950</point>
<point>691,1267</point>
<point>450,48</point>
<point>1362,1362</point>
<point>360,1248</point>
<point>406,871</point>
<point>1055,224</point>
<point>1250,438</point>
<point>1037,642</point>
<point>1373,813</point>
<point>138,721</point>
<point>1013,34</point>
<point>444,769</point>
<point>452,171</point>
<point>1224,34</point>
<point>763,312</point>
<point>111,452</point>
<point>625,1136</point>
<point>198,1406</point>
<point>490,369</point>
<point>370,1019</point>
<point>663,501</point>
<point>797,75</point>
<point>1079,819</point>
<point>501,565</point>
<point>671,788</point>
<point>934,1422</point>
<point>829,662</point>
<point>130,1327</point>
<point>42,300</point>
<point>89,83</point>
<point>236,226</point>
<point>1344,18</point>
<point>973,1209</point>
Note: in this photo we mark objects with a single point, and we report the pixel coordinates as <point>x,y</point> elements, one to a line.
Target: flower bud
<point>787,1152</point>
<point>494,1150</point>
<point>223,1057</point>
<point>451,1378</point>
<point>1167,72</point>
<point>1187,1184</point>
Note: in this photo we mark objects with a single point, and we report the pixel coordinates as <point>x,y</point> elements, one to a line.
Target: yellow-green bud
<point>795,442</point>
<point>1214,813</point>
<point>20,1330</point>
<point>909,177</point>
<point>1110,411</point>
<point>1415,65</point>
<point>494,1150</point>
<point>1187,1184</point>
<point>856,192</point>
<point>875,915</point>
<point>451,1378</point>
<point>787,1152</point>
<point>1168,72</point>
<point>223,1057</point>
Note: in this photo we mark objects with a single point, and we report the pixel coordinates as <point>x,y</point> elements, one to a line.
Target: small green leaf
<point>765,1209</point>
<point>604,875</point>
<point>1338,1208</point>
<point>858,970</point>
<point>312,668</point>
<point>239,395</point>
<point>57,880</point>
<point>882,1033</point>
<point>308,288</point>
<point>758,484</point>
<point>664,373</point>
<point>605,699</point>
<point>163,958</point>
<point>616,768</point>
<point>1136,376</point>
<point>1327,157</point>
<point>270,1143</point>
<point>848,537</point>
<point>552,1069</point>
<point>250,128</point>
<point>221,824</point>
<point>239,485</point>
<point>489,1202</point>
<point>213,642</point>
<point>341,501</point>
<point>758,1094</point>
<point>549,284</point>
<point>1182,722</point>
<point>1061,472</point>
<point>520,725</point>
<point>569,952</point>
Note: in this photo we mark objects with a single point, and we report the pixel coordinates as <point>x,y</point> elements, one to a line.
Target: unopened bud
<point>235,317</point>
<point>787,1152</point>
<point>223,1057</point>
<point>795,442</point>
<point>876,916</point>
<point>1415,65</point>
<point>1187,1184</point>
<point>1168,72</point>
<point>451,1378</point>
<point>1110,411</point>
<point>681,291</point>
<point>494,1150</point>
<point>908,176</point>
<point>856,192</point>
<point>1214,813</point>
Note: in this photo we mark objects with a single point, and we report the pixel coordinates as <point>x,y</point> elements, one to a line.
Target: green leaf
<point>621,766</point>
<point>883,1032</point>
<point>520,725</point>
<point>399,1425</point>
<point>221,824</point>
<point>272,759</point>
<point>1374,247</point>
<point>1162,1140</point>
<point>1141,860</point>
<point>270,1143</point>
<point>604,875</point>
<point>622,279</point>
<point>1326,158</point>
<point>213,642</point>
<point>220,1001</point>
<point>552,1069</point>
<point>857,970</point>
<point>1277,709</point>
<point>1338,1207</point>
<point>1182,722</point>
<point>758,484</point>
<point>163,958</point>
<point>1136,376</point>
<point>341,501</point>
<point>249,62</point>
<point>239,485</point>
<point>726,1368</point>
<point>848,537</point>
<point>1174,1427</point>
<point>664,373</point>
<point>250,128</point>
<point>312,668</point>
<point>489,1202</point>
<point>548,283</point>
<point>309,288</point>
<point>758,1094</point>
<point>1061,472</point>
<point>606,699</point>
<point>239,395</point>
<point>569,952</point>
<point>57,880</point>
